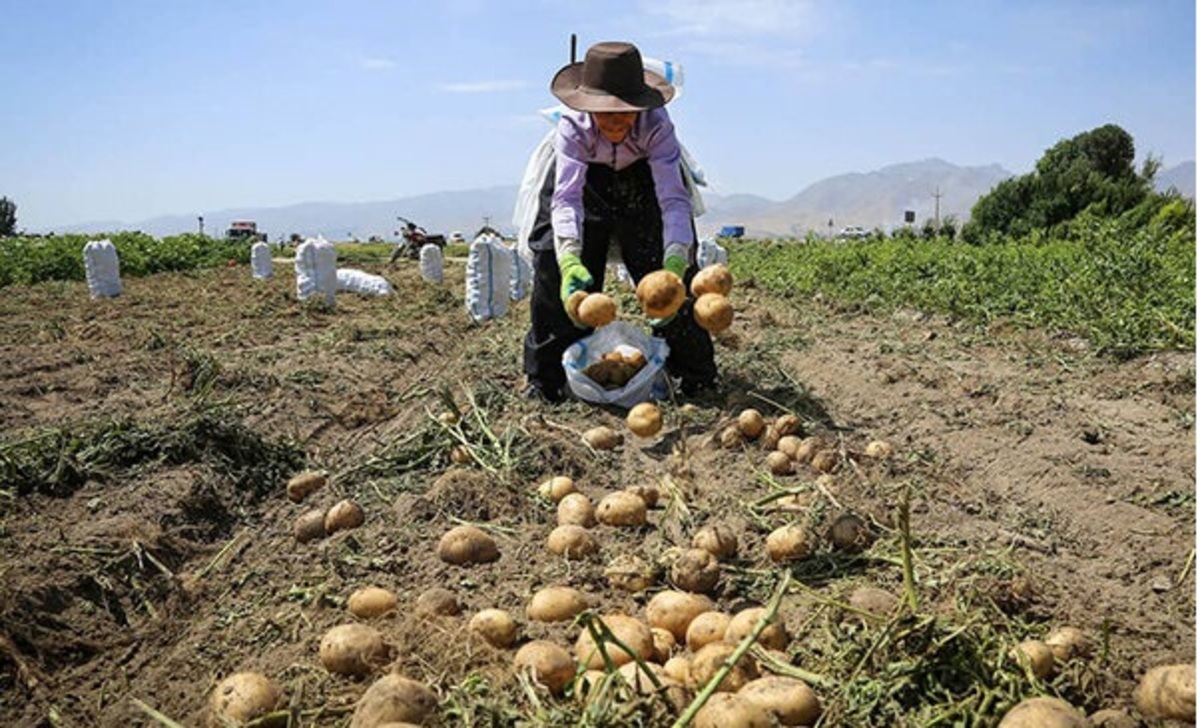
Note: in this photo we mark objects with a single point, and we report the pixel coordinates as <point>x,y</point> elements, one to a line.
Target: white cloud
<point>377,64</point>
<point>483,87</point>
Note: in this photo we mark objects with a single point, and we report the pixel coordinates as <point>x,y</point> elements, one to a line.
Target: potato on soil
<point>850,533</point>
<point>496,626</point>
<point>603,438</point>
<point>825,461</point>
<point>710,659</point>
<point>713,312</point>
<point>787,424</point>
<point>597,310</point>
<point>874,600</point>
<point>1043,713</point>
<point>725,710</point>
<point>1036,655</point>
<point>556,488</point>
<point>878,449</point>
<point>548,664</point>
<point>577,510</point>
<point>242,697</point>
<point>437,601</point>
<point>631,573</point>
<point>660,293</point>
<point>731,437</point>
<point>717,539</point>
<point>678,668</point>
<point>648,493</point>
<point>460,455</point>
<point>304,484</point>
<point>806,448</point>
<point>370,602</point>
<point>310,526</point>
<point>1067,643</point>
<point>789,699</point>
<point>707,628</point>
<point>394,699</point>
<point>465,545</point>
<point>696,570</point>
<point>629,630</point>
<point>789,543</point>
<point>353,649</point>
<point>621,509</point>
<point>644,420</point>
<point>714,278</point>
<point>788,445</point>
<point>344,516</point>
<point>773,637</point>
<point>770,438</point>
<point>556,604</point>
<point>750,423</point>
<point>574,301</point>
<point>1168,691</point>
<point>664,644</point>
<point>779,463</point>
<point>675,610</point>
<point>572,542</point>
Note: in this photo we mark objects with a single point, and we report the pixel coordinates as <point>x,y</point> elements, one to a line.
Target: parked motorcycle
<point>414,237</point>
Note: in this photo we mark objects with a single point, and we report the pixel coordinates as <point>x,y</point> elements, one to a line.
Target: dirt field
<point>146,546</point>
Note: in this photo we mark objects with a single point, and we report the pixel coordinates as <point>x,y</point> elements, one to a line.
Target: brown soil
<point>1056,484</point>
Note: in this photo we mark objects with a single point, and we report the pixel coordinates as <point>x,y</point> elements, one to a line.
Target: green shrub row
<point>1128,291</point>
<point>25,260</point>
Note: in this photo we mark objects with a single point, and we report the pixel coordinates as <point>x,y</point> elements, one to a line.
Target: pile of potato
<point>616,368</point>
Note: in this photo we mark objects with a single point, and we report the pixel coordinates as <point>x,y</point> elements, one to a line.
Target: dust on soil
<point>174,565</point>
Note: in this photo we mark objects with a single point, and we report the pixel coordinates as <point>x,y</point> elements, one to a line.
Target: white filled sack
<point>431,263</point>
<point>261,265</point>
<point>352,280</point>
<point>489,271</point>
<point>103,269</point>
<point>316,271</point>
<point>710,252</point>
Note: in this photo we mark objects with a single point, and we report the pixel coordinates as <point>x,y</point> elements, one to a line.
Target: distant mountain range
<point>928,188</point>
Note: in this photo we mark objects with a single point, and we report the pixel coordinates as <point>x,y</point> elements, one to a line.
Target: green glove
<point>677,264</point>
<point>575,277</point>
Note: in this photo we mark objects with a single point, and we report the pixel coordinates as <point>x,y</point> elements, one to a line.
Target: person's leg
<point>639,233</point>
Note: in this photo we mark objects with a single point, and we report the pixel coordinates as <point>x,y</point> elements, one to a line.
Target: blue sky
<point>127,109</point>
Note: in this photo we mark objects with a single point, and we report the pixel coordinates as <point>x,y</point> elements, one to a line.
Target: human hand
<point>677,264</point>
<point>575,277</point>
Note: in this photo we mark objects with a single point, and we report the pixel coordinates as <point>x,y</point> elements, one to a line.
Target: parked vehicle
<point>414,237</point>
<point>245,230</point>
<point>853,232</point>
<point>732,231</point>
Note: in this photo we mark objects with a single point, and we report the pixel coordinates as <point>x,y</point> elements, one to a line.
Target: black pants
<point>620,208</point>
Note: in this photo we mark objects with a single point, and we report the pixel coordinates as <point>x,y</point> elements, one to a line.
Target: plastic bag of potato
<point>648,383</point>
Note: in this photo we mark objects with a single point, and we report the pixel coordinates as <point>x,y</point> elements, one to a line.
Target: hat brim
<point>567,88</point>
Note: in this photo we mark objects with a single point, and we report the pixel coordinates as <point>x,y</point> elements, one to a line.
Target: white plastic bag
<point>649,383</point>
<point>352,280</point>
<point>710,252</point>
<point>103,268</point>
<point>489,269</point>
<point>431,263</point>
<point>261,265</point>
<point>316,270</point>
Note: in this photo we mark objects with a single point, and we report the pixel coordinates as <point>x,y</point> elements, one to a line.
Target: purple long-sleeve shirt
<point>579,143</point>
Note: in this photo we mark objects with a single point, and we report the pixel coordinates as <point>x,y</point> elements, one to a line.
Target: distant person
<point>616,179</point>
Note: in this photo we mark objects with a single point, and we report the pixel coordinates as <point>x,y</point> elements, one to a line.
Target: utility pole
<point>937,207</point>
<point>201,219</point>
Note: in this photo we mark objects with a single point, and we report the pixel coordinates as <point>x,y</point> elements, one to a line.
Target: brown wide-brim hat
<point>611,78</point>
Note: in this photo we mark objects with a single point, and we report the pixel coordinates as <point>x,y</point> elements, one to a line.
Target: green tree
<point>8,217</point>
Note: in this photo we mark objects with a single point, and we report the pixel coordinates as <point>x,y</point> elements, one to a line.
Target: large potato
<point>370,602</point>
<point>242,697</point>
<point>675,610</point>
<point>707,628</point>
<point>660,294</point>
<point>714,278</point>
<point>353,649</point>
<point>1168,691</point>
<point>496,626</point>
<point>575,509</point>
<point>711,658</point>
<point>713,312</point>
<point>597,310</point>
<point>556,488</point>
<point>717,539</point>
<point>1043,713</point>
<point>790,700</point>
<point>1036,655</point>
<point>726,710</point>
<point>556,604</point>
<point>572,542</point>
<point>644,420</point>
<point>548,664</point>
<point>344,516</point>
<point>464,545</point>
<point>789,543</point>
<point>632,632</point>
<point>621,509</point>
<point>773,637</point>
<point>696,570</point>
<point>393,699</point>
<point>304,484</point>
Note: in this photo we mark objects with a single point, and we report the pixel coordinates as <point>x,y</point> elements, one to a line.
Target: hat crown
<point>614,68</point>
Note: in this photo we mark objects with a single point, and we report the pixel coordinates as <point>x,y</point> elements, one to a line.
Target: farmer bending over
<point>616,179</point>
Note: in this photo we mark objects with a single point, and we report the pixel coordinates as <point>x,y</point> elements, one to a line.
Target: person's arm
<point>665,159</point>
<point>566,209</point>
